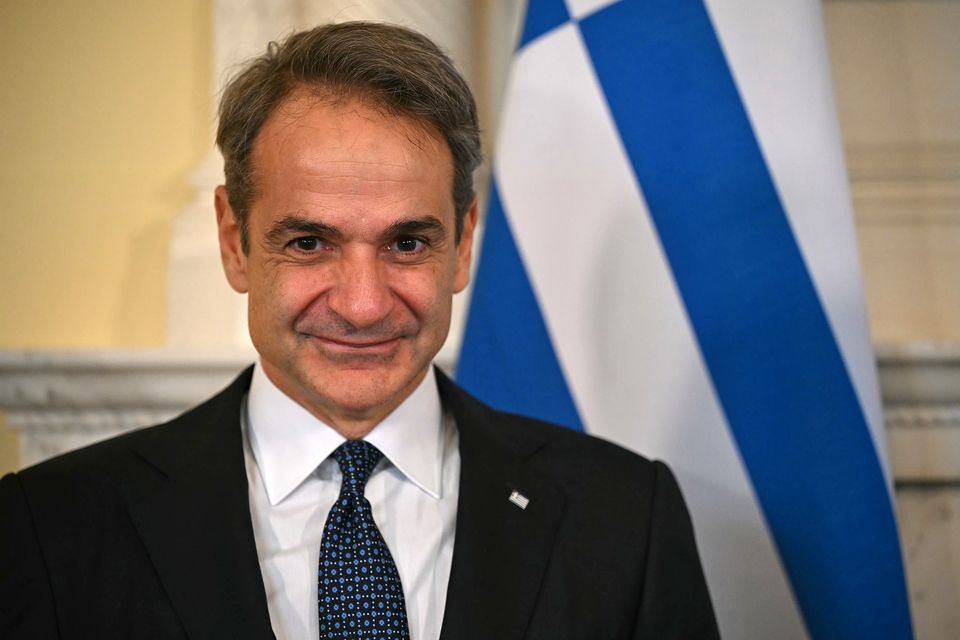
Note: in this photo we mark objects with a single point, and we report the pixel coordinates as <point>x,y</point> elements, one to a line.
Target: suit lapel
<point>190,505</point>
<point>501,550</point>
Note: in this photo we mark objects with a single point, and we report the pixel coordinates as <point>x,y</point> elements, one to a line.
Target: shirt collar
<point>289,443</point>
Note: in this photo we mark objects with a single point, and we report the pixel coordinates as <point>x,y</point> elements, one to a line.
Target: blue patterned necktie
<point>359,595</point>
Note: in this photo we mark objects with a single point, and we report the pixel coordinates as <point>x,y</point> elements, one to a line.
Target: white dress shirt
<point>294,482</point>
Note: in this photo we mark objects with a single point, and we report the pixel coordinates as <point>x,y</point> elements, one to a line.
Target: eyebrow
<point>295,224</point>
<point>408,226</point>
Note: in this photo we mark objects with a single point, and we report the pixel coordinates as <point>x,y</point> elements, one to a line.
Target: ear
<point>231,252</point>
<point>461,276</point>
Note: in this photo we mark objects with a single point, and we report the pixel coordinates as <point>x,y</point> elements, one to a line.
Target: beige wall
<point>105,109</point>
<point>896,67</point>
<point>104,112</point>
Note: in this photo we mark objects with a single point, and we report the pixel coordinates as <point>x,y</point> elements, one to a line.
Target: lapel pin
<point>519,499</point>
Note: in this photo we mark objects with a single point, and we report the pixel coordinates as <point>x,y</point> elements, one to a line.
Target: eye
<point>307,244</point>
<point>408,244</point>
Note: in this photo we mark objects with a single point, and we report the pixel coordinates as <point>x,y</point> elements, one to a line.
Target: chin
<point>360,388</point>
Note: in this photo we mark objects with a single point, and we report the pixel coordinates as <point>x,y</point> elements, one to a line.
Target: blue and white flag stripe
<point>645,275</point>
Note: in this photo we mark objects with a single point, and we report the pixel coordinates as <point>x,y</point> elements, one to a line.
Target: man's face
<point>353,259</point>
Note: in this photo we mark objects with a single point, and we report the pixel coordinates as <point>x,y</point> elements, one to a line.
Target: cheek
<point>424,291</point>
<point>284,294</point>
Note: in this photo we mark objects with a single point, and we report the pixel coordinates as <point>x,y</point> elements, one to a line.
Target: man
<point>343,487</point>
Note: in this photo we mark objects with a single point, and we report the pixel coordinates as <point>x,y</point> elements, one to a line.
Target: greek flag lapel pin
<point>519,499</point>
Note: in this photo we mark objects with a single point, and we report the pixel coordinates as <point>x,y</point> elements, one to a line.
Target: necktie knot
<point>357,459</point>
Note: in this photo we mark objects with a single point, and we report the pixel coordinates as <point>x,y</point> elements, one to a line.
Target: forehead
<point>347,138</point>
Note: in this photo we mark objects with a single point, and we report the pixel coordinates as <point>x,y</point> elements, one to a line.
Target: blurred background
<point>115,311</point>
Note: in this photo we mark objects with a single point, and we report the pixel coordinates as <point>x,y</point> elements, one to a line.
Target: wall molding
<point>920,387</point>
<point>60,400</point>
<point>905,183</point>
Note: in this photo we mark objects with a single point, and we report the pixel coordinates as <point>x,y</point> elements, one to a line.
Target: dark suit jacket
<point>149,536</point>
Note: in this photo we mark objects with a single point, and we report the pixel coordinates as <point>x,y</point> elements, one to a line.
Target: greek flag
<point>669,262</point>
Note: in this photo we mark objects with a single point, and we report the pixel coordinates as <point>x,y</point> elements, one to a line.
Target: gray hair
<point>401,70</point>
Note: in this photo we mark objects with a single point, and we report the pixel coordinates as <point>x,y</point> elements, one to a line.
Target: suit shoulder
<point>572,440</point>
<point>577,455</point>
<point>98,458</point>
<point>560,451</point>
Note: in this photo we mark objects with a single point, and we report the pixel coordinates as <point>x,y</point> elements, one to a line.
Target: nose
<point>361,294</point>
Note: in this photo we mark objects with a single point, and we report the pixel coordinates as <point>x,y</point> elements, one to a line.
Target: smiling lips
<point>357,348</point>
<point>358,344</point>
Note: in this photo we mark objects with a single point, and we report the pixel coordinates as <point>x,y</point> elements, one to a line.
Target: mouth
<point>357,347</point>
